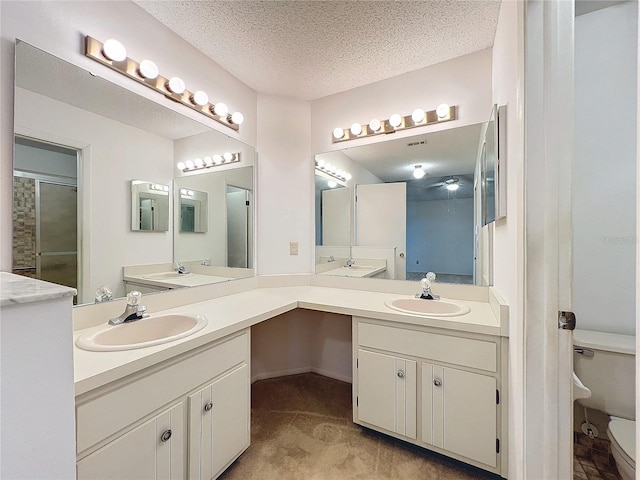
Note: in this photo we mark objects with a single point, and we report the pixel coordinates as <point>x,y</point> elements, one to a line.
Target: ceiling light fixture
<point>331,171</point>
<point>396,122</point>
<point>113,55</point>
<point>418,172</point>
<point>208,162</point>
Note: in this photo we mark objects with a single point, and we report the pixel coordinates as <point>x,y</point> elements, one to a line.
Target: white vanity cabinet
<point>435,388</point>
<point>137,427</point>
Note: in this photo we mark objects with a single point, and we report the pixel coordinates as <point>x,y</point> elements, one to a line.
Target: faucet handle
<point>134,298</point>
<point>142,311</point>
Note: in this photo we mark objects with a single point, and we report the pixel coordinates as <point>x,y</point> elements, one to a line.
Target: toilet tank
<point>609,374</point>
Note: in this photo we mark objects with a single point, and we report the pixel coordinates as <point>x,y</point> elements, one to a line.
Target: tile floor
<point>592,459</point>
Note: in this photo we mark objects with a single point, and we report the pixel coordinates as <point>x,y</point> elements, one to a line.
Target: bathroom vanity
<point>434,381</point>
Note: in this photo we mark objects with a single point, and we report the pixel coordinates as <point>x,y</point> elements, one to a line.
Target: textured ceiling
<point>311,49</point>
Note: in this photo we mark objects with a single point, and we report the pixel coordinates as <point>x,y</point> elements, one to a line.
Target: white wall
<point>59,28</point>
<point>508,253</point>
<point>285,186</point>
<point>105,190</point>
<point>440,236</point>
<point>604,170</point>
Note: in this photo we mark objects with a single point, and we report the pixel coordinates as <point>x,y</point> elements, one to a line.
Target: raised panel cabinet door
<point>153,450</point>
<point>386,394</point>
<point>219,424</point>
<point>432,405</point>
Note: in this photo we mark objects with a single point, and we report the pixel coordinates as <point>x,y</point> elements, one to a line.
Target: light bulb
<point>452,187</point>
<point>227,156</point>
<point>190,164</point>
<point>190,193</point>
<point>208,160</point>
<point>338,133</point>
<point>418,115</point>
<point>418,172</point>
<point>217,159</point>
<point>332,184</point>
<point>176,85</point>
<point>148,69</point>
<point>332,168</point>
<point>395,120</point>
<point>199,162</point>
<point>220,109</point>
<point>200,98</point>
<point>320,163</point>
<point>375,125</point>
<point>347,176</point>
<point>181,165</point>
<point>237,118</point>
<point>356,129</point>
<point>114,50</point>
<point>442,110</point>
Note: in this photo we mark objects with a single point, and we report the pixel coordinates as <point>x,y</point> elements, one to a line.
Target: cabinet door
<point>459,412</point>
<point>219,417</point>
<point>386,394</point>
<point>153,450</point>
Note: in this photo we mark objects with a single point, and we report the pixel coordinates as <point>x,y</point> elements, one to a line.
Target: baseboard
<point>296,371</point>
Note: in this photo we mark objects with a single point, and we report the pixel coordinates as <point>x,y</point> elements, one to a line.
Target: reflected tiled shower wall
<point>24,226</point>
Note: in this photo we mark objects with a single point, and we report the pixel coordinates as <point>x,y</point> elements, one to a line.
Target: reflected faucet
<point>180,268</point>
<point>103,294</point>
<point>350,263</point>
<point>133,311</point>
<point>425,283</point>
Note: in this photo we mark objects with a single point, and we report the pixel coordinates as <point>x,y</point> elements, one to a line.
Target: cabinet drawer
<point>106,415</point>
<point>443,348</point>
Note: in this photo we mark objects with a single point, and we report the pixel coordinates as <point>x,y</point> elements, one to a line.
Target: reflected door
<point>239,223</point>
<point>381,220</point>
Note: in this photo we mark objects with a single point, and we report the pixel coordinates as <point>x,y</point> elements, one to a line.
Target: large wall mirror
<point>80,214</point>
<point>416,206</point>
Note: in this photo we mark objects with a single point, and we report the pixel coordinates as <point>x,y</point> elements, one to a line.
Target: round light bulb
<point>200,98</point>
<point>208,161</point>
<point>375,125</point>
<point>190,193</point>
<point>190,164</point>
<point>237,118</point>
<point>176,85</point>
<point>332,184</point>
<point>395,120</point>
<point>227,156</point>
<point>199,162</point>
<point>442,110</point>
<point>452,187</point>
<point>356,129</point>
<point>418,172</point>
<point>114,50</point>
<point>338,133</point>
<point>217,159</point>
<point>347,176</point>
<point>220,109</point>
<point>320,163</point>
<point>332,168</point>
<point>148,69</point>
<point>418,115</point>
<point>181,165</point>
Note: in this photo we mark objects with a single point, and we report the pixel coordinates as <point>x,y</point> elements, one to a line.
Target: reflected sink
<point>431,308</point>
<point>154,330</point>
<point>166,275</point>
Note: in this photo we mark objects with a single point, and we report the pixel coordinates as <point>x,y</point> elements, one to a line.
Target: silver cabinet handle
<point>400,373</point>
<point>437,382</point>
<point>208,406</point>
<point>166,435</point>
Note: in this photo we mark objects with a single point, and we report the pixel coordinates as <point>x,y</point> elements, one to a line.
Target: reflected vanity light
<point>161,188</point>
<point>396,122</point>
<point>208,162</point>
<point>332,184</point>
<point>114,55</point>
<point>332,172</point>
<point>418,172</point>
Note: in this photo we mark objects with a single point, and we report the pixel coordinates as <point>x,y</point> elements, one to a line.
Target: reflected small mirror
<point>149,206</point>
<point>193,210</point>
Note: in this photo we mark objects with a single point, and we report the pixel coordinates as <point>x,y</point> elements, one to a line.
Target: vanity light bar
<point>419,118</point>
<point>113,55</point>
<point>209,162</point>
<point>332,171</point>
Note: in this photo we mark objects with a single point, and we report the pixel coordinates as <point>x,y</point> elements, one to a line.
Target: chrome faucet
<point>133,311</point>
<point>103,294</point>
<point>180,268</point>
<point>331,259</point>
<point>425,283</point>
<point>350,263</point>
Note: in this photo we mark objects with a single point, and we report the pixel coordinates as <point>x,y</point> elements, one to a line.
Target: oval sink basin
<point>431,308</point>
<point>154,330</point>
<point>166,275</point>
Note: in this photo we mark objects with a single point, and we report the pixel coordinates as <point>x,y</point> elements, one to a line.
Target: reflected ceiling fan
<point>450,183</point>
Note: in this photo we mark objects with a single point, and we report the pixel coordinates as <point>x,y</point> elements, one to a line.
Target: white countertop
<point>190,280</point>
<point>16,289</point>
<point>232,313</point>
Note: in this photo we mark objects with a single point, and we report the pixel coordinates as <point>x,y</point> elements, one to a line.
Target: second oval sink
<point>155,330</point>
<point>432,308</point>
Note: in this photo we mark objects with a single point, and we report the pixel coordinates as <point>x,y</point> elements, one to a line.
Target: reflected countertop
<point>16,289</point>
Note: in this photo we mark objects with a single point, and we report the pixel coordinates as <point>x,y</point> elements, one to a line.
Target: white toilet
<point>610,375</point>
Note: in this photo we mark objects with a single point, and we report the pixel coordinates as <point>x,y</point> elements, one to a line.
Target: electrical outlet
<point>293,248</point>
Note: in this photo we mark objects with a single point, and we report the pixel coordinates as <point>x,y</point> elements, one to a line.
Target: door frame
<point>548,353</point>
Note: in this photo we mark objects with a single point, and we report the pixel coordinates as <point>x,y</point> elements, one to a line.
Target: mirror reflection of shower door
<point>239,232</point>
<point>57,233</point>
<point>147,214</point>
